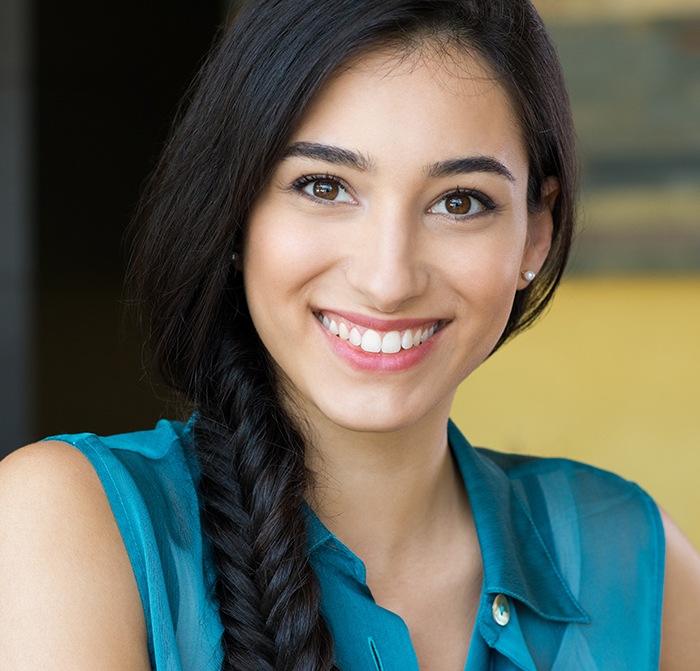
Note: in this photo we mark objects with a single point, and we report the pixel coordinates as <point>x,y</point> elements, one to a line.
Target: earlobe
<point>539,236</point>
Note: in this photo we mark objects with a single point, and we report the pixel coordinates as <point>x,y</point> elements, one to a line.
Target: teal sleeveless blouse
<point>573,563</point>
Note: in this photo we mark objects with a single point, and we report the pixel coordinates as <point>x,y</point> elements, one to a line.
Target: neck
<point>387,495</point>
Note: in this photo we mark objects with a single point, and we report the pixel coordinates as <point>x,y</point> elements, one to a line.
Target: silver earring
<point>528,275</point>
<point>235,257</point>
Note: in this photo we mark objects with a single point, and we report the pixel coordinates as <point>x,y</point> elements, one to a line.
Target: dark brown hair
<point>248,100</point>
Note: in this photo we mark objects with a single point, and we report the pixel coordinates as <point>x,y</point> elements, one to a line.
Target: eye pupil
<point>326,189</point>
<point>458,204</point>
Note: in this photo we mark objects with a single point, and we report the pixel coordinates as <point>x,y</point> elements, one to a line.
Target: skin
<point>382,251</point>
<point>69,597</point>
<point>384,247</point>
<point>680,644</point>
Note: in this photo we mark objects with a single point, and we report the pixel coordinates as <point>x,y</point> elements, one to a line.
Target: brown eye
<point>458,204</point>
<point>323,188</point>
<point>326,189</point>
<point>462,204</point>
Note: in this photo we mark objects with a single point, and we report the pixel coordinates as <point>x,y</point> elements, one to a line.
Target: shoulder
<point>575,505</point>
<point>52,468</point>
<point>567,501</point>
<point>50,481</point>
<point>606,537</point>
<point>37,461</point>
<point>148,478</point>
<point>64,569</point>
<point>566,480</point>
<point>680,645</point>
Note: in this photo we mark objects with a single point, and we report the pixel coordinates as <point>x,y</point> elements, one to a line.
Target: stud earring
<point>235,257</point>
<point>528,275</point>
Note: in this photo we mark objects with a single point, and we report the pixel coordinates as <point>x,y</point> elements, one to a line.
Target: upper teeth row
<point>373,341</point>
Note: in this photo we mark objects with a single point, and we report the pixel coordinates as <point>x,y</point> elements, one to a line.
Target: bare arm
<point>69,596</point>
<point>680,641</point>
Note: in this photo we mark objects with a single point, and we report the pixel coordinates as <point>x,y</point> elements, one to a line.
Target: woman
<point>363,200</point>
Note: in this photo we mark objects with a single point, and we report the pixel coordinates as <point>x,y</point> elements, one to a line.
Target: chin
<point>379,415</point>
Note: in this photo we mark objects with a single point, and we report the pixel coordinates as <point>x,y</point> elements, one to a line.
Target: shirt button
<point>501,610</point>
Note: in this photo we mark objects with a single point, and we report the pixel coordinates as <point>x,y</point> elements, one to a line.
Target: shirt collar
<point>318,534</point>
<point>516,561</point>
<point>345,559</point>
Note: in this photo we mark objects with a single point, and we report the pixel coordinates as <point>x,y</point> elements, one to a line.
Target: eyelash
<point>299,184</point>
<point>487,203</point>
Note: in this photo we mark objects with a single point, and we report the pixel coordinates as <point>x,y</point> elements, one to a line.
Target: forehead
<point>440,95</point>
<point>459,70</point>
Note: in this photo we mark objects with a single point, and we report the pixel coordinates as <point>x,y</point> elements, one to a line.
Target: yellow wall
<point>606,10</point>
<point>610,376</point>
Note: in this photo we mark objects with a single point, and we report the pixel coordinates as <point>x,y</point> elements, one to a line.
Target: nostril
<point>375,654</point>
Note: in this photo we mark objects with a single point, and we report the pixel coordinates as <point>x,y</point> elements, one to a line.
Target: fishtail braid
<point>253,480</point>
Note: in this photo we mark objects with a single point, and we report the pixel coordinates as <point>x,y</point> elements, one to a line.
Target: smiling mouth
<point>375,341</point>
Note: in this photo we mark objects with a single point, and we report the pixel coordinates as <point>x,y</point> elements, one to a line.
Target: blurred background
<point>610,376</point>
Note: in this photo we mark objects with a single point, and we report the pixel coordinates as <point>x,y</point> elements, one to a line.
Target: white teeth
<point>391,342</point>
<point>355,337</point>
<point>371,341</point>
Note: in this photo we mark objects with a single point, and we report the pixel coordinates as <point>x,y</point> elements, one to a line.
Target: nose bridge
<point>389,269</point>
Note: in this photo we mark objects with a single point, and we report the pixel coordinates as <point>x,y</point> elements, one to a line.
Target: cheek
<point>280,258</point>
<point>485,281</point>
<point>487,268</point>
<point>272,252</point>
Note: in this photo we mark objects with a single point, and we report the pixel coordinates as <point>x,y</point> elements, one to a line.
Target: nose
<point>387,265</point>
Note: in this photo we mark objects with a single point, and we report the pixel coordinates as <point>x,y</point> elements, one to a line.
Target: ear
<point>539,231</point>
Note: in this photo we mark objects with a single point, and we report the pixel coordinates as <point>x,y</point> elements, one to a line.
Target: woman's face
<point>382,259</point>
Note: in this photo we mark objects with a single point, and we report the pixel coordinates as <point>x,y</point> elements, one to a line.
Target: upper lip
<point>380,324</point>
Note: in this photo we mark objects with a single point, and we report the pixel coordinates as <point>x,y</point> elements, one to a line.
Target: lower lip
<point>379,361</point>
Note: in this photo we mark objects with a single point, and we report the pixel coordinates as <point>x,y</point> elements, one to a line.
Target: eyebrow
<point>460,166</point>
<point>329,154</point>
<point>352,159</point>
